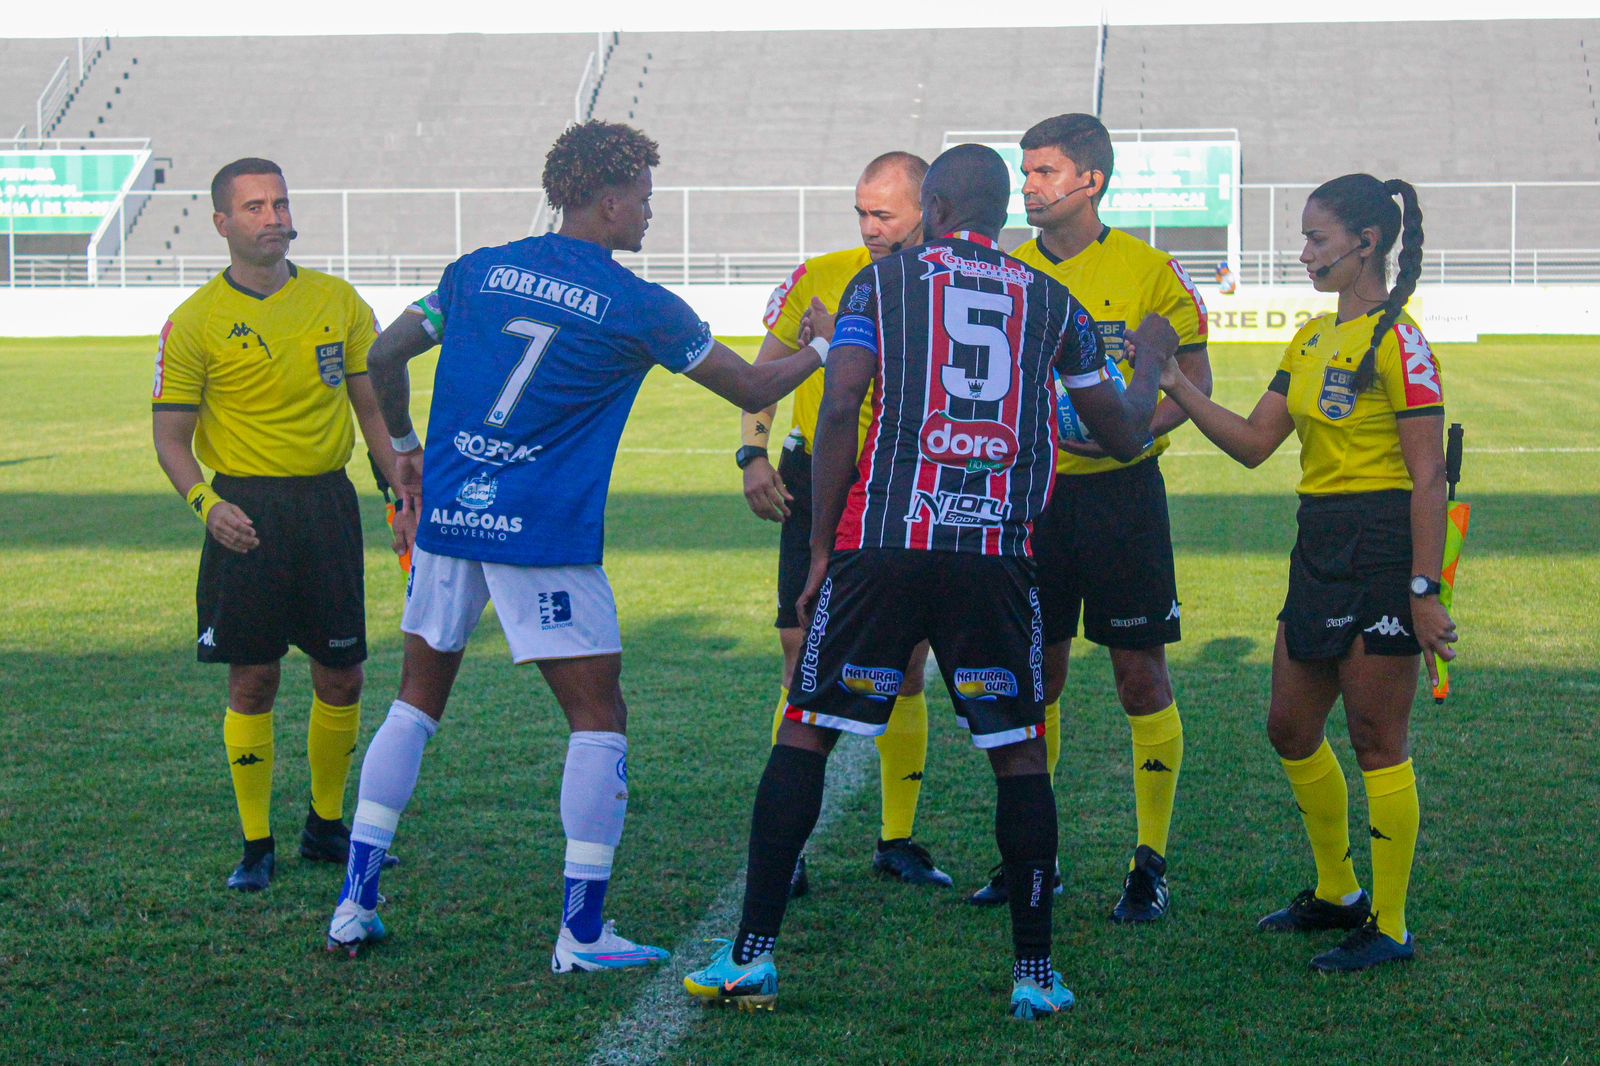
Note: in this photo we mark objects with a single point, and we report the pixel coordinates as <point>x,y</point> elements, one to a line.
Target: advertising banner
<point>64,192</point>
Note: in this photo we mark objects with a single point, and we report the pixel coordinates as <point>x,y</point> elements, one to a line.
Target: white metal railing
<point>22,142</point>
<point>56,95</point>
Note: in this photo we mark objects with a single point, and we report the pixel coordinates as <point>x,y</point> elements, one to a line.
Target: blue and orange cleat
<point>752,987</point>
<point>1030,1003</point>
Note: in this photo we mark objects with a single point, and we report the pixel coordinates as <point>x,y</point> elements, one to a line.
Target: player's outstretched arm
<point>751,388</point>
<point>1195,363</point>
<point>1249,440</point>
<point>833,457</point>
<point>404,339</point>
<point>1120,422</point>
<point>764,490</point>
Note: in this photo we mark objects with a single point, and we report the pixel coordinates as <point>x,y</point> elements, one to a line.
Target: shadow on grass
<point>1502,524</point>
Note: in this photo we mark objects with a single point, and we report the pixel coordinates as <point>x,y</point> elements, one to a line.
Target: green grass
<point>117,941</point>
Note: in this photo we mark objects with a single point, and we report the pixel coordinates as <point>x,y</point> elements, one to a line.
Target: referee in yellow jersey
<point>253,376</point>
<point>888,209</point>
<point>1104,545</point>
<point>1361,389</point>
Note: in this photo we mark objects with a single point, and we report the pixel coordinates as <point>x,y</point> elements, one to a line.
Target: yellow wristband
<point>202,498</point>
<point>755,430</point>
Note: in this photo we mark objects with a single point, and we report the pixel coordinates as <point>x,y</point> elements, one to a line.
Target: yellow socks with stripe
<point>902,756</point>
<point>1396,815</point>
<point>1052,737</point>
<point>777,716</point>
<point>248,739</point>
<point>330,741</point>
<point>1324,801</point>
<point>1157,760</point>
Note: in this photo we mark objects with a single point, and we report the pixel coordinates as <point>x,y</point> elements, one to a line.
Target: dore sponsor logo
<point>874,682</point>
<point>960,509</point>
<point>944,260</point>
<point>970,446</point>
<point>552,291</point>
<point>985,683</point>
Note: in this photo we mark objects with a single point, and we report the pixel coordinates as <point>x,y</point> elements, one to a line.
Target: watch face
<point>1419,586</point>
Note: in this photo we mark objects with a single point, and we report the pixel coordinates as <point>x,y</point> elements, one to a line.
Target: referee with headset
<point>255,376</point>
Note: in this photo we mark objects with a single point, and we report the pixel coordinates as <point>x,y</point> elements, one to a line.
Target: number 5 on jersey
<point>538,336</point>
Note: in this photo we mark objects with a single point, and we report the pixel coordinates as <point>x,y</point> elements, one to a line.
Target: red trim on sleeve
<point>780,296</point>
<point>1204,326</point>
<point>161,362</point>
<point>1420,367</point>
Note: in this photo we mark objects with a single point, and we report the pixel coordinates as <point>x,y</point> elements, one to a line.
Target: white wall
<point>1449,313</point>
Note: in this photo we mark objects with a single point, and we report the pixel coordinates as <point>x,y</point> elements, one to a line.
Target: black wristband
<point>749,454</point>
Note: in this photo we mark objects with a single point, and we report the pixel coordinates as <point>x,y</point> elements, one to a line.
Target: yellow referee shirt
<point>1120,279</point>
<point>824,277</point>
<point>1350,443</point>
<point>267,373</point>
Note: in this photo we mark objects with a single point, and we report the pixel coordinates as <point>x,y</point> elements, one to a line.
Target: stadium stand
<point>808,108</point>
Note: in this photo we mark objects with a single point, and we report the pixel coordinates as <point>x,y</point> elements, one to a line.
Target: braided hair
<point>1360,201</point>
<point>593,156</point>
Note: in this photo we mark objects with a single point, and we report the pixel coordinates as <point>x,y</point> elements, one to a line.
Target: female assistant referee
<point>1361,389</point>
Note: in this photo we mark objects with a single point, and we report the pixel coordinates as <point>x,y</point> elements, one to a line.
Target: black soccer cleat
<point>909,863</point>
<point>1363,949</point>
<point>799,883</point>
<point>254,871</point>
<point>1144,890</point>
<point>328,840</point>
<point>1308,913</point>
<point>996,893</point>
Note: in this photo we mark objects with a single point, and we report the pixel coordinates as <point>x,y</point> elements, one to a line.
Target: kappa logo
<point>1377,834</point>
<point>208,639</point>
<point>250,759</point>
<point>240,329</point>
<point>1388,626</point>
<point>915,775</point>
<point>555,610</point>
<point>1174,615</point>
<point>1312,343</point>
<point>1156,766</point>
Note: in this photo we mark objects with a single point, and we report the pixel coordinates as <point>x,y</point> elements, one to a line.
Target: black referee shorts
<point>1349,574</point>
<point>794,542</point>
<point>979,612</point>
<point>1104,550</point>
<point>302,585</point>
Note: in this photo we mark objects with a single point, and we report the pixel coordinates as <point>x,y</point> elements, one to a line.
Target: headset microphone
<point>1063,196</point>
<point>1324,271</point>
<point>294,234</point>
<point>894,249</point>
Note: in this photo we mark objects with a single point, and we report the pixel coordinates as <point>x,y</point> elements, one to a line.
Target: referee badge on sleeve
<point>1338,396</point>
<point>330,363</point>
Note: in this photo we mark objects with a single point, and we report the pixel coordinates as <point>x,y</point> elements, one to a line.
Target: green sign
<point>1167,183</point>
<point>63,192</point>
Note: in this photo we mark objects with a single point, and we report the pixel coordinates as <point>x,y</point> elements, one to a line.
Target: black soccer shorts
<point>1104,549</point>
<point>302,585</point>
<point>794,541</point>
<point>980,613</point>
<point>1349,574</point>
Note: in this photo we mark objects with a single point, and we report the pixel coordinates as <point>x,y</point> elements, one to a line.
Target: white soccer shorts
<point>547,612</point>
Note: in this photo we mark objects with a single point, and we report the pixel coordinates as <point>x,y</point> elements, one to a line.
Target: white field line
<point>1183,454</point>
<point>664,1013</point>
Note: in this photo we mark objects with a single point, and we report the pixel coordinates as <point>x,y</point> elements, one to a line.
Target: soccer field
<point>118,941</point>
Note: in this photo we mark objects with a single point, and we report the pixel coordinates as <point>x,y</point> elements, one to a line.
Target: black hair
<point>1360,201</point>
<point>914,166</point>
<point>976,184</point>
<point>593,156</point>
<point>222,184</point>
<point>1083,139</point>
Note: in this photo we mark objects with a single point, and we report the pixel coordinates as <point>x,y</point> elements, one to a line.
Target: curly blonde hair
<point>593,156</point>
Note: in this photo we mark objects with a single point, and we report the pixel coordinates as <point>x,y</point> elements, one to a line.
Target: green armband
<point>202,498</point>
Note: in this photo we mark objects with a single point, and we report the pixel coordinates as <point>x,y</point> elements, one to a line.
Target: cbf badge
<point>1338,397</point>
<point>330,363</point>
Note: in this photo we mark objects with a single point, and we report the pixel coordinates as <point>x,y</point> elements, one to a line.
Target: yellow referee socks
<point>1157,759</point>
<point>1324,801</point>
<point>777,716</point>
<point>1392,805</point>
<point>248,738</point>
<point>1052,737</point>
<point>902,756</point>
<point>330,741</point>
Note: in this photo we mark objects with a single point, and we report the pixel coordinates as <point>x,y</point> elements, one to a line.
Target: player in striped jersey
<point>926,538</point>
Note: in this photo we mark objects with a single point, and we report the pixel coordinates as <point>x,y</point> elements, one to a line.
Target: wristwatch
<point>1424,586</point>
<point>749,454</point>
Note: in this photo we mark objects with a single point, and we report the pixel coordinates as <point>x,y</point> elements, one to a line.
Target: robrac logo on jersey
<point>542,288</point>
<point>474,520</point>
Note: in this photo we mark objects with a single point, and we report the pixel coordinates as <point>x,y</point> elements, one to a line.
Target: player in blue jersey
<point>545,343</point>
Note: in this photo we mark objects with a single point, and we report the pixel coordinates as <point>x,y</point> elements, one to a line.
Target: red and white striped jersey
<point>961,452</point>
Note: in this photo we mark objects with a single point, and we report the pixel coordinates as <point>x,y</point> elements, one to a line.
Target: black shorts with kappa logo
<point>980,613</point>
<point>794,541</point>
<point>1350,575</point>
<point>1104,550</point>
<point>303,585</point>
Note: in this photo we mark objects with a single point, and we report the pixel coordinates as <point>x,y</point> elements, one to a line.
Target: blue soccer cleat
<point>753,986</point>
<point>608,951</point>
<point>352,926</point>
<point>1030,1003</point>
<point>1363,949</point>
